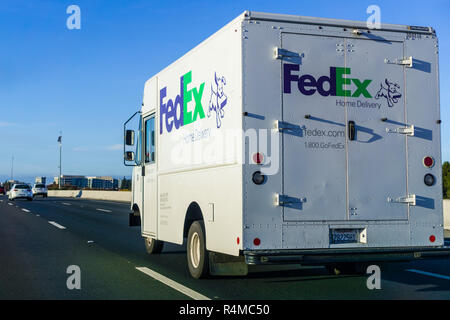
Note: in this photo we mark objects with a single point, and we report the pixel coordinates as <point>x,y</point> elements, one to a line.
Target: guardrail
<point>121,196</point>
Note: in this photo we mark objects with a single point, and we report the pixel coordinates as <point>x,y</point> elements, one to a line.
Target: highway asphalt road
<point>40,239</point>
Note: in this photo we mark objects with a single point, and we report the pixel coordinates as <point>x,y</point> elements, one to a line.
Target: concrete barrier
<point>121,196</point>
<point>447,214</point>
<point>125,196</point>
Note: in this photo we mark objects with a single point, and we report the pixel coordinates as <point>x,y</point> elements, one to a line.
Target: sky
<point>87,82</point>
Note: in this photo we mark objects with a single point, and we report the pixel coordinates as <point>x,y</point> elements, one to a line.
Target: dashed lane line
<point>104,210</point>
<point>425,273</point>
<point>173,284</point>
<point>56,225</point>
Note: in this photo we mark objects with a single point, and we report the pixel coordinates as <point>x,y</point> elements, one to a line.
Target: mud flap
<point>226,265</point>
<point>134,221</point>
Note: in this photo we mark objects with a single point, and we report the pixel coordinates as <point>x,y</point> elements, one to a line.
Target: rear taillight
<point>428,162</point>
<point>258,158</point>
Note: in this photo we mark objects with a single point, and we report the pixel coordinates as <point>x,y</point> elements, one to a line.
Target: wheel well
<point>193,213</point>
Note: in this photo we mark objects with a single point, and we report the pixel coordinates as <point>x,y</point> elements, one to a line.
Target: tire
<point>30,199</point>
<point>153,246</point>
<point>197,255</point>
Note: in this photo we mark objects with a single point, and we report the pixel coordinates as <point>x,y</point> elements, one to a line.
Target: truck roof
<point>252,15</point>
<point>286,18</point>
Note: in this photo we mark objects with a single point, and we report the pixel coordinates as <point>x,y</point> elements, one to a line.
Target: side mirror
<point>129,138</point>
<point>129,156</point>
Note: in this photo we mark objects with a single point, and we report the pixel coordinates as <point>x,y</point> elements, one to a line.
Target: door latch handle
<point>351,130</point>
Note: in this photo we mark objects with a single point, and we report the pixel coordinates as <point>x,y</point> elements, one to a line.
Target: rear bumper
<point>324,256</point>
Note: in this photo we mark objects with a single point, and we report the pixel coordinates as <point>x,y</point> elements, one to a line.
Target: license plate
<point>343,236</point>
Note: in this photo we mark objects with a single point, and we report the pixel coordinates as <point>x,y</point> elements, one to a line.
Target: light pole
<point>60,151</point>
<point>12,168</point>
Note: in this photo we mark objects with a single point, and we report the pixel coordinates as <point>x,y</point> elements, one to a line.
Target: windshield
<point>21,186</point>
<point>39,186</point>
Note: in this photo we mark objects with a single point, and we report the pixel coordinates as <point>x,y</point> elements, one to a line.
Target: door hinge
<point>282,125</point>
<point>411,200</point>
<point>281,200</point>
<point>408,130</point>
<point>408,62</point>
<point>279,53</point>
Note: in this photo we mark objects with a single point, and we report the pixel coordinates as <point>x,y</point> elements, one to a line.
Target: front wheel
<point>197,255</point>
<point>153,246</point>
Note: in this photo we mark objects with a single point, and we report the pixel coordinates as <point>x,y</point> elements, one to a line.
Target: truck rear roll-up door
<point>344,146</point>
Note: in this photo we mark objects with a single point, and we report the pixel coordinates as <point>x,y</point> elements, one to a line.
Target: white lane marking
<point>104,210</point>
<point>56,225</point>
<point>440,276</point>
<point>26,210</point>
<point>175,285</point>
<point>66,204</point>
<point>10,204</point>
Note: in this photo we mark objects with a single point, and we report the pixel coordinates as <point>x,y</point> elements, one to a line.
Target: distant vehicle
<point>20,191</point>
<point>2,190</point>
<point>40,189</point>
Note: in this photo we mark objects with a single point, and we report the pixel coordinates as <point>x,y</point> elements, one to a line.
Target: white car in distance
<point>20,191</point>
<point>40,189</point>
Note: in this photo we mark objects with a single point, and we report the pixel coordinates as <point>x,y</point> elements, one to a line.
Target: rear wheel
<point>153,246</point>
<point>197,255</point>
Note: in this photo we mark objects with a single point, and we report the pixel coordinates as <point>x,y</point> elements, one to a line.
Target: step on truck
<point>289,139</point>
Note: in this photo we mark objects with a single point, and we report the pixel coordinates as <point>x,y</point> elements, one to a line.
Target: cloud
<point>114,147</point>
<point>80,149</point>
<point>7,124</point>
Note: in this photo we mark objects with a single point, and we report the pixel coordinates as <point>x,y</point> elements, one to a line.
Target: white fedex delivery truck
<point>287,139</point>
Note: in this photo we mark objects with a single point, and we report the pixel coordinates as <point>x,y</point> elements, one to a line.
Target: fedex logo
<point>174,113</point>
<point>337,82</point>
